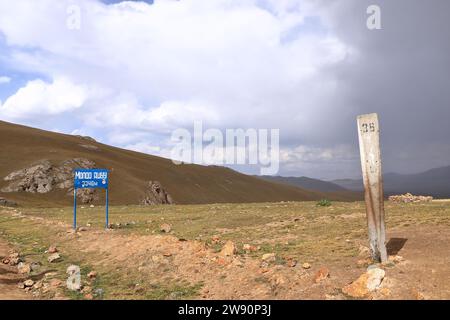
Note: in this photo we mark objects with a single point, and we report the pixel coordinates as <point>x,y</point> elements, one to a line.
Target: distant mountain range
<point>434,182</point>
<point>316,185</point>
<point>307,183</point>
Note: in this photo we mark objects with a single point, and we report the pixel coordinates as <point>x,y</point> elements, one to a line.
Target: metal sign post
<point>90,178</point>
<point>369,145</point>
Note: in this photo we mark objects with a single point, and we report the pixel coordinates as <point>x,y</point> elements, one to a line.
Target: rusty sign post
<point>369,146</point>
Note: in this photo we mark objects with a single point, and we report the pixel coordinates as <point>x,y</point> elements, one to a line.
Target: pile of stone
<point>12,259</point>
<point>409,198</point>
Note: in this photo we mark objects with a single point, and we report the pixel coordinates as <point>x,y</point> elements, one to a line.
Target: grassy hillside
<point>130,172</point>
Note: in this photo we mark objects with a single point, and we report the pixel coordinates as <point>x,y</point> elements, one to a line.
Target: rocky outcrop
<point>7,203</point>
<point>87,138</point>
<point>44,176</point>
<point>156,194</point>
<point>85,196</point>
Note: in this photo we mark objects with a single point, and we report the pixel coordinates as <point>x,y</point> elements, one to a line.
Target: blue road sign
<point>89,178</point>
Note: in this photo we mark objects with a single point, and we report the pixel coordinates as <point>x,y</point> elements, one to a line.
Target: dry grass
<point>300,230</point>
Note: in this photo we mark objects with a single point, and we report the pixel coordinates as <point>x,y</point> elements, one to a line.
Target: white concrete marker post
<point>369,146</point>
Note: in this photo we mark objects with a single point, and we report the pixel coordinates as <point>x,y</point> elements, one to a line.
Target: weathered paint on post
<point>369,146</point>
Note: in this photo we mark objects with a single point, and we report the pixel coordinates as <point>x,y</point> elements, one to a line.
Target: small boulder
<point>321,274</point>
<point>55,257</point>
<point>52,249</point>
<point>375,277</point>
<point>23,268</point>
<point>28,283</point>
<point>165,227</point>
<point>229,249</point>
<point>92,275</point>
<point>35,266</point>
<point>73,282</point>
<point>291,263</point>
<point>306,265</point>
<point>269,257</point>
<point>366,283</point>
<point>248,247</point>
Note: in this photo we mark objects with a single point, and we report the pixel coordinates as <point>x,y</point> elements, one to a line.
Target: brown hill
<point>131,171</point>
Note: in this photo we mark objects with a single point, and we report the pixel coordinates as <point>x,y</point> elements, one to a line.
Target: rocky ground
<point>298,251</point>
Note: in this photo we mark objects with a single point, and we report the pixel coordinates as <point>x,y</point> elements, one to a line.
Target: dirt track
<point>9,278</point>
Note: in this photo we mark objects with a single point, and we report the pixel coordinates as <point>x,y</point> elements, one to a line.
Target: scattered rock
<point>23,268</point>
<point>306,265</point>
<point>321,274</point>
<point>366,283</point>
<point>156,259</point>
<point>82,229</point>
<point>291,263</point>
<point>28,283</point>
<point>248,247</point>
<point>13,259</point>
<point>52,249</point>
<point>396,259</point>
<point>156,194</point>
<point>165,227</point>
<point>229,249</point>
<point>38,284</point>
<point>86,289</point>
<point>89,296</point>
<point>269,257</point>
<point>409,198</point>
<point>215,239</point>
<point>278,280</point>
<point>98,292</point>
<point>364,262</point>
<point>55,257</point>
<point>21,285</point>
<point>92,275</point>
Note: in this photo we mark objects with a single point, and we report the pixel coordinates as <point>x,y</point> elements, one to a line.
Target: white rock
<point>375,277</point>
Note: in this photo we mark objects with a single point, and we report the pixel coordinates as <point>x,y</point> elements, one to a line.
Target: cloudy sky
<point>135,71</point>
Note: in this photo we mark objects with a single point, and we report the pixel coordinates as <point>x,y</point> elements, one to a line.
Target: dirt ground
<point>9,278</point>
<point>166,266</point>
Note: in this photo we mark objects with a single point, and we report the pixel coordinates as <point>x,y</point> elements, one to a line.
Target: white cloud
<point>142,70</point>
<point>4,79</point>
<point>41,98</point>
